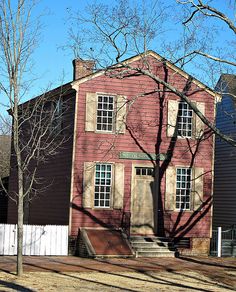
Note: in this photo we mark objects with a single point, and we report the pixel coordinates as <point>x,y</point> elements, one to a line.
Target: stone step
<point>152,246</point>
<point>155,254</point>
<point>152,249</point>
<point>149,239</point>
<point>143,244</point>
<point>154,242</point>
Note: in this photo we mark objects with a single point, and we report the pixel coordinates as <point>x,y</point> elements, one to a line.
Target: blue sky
<point>52,64</point>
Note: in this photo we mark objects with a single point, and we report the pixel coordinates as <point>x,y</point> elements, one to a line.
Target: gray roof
<point>5,150</point>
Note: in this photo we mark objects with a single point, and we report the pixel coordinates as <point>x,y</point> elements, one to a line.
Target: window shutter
<point>90,119</point>
<point>88,186</point>
<point>120,114</point>
<point>172,117</point>
<point>170,188</point>
<point>197,193</point>
<point>118,195</point>
<point>199,125</point>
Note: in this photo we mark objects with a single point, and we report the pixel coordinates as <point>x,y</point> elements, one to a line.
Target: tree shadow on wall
<point>164,225</point>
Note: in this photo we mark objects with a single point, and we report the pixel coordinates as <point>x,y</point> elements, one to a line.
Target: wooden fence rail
<point>37,240</point>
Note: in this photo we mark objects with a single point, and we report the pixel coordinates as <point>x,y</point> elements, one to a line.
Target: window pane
<point>150,171</point>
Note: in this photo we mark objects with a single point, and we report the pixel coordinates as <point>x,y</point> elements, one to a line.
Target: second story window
<point>105,113</point>
<point>185,120</point>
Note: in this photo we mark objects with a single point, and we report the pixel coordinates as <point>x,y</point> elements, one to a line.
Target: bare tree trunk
<point>20,207</point>
<point>20,225</point>
<point>36,126</point>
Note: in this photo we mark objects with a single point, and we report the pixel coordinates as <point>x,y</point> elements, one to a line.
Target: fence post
<point>219,241</point>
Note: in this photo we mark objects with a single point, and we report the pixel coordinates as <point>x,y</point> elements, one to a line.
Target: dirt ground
<point>142,274</point>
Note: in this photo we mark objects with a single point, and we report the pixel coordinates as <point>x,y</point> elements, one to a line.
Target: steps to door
<point>152,246</point>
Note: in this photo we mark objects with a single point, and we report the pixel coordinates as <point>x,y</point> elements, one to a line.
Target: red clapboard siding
<point>143,118</point>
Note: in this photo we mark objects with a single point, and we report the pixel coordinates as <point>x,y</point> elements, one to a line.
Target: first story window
<point>184,120</point>
<point>183,188</point>
<point>103,185</point>
<point>105,113</point>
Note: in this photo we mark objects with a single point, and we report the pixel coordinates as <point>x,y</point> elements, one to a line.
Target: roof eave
<point>98,73</point>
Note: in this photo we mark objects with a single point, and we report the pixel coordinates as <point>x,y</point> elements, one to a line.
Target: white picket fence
<point>37,240</point>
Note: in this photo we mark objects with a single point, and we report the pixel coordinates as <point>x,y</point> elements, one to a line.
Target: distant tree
<point>36,125</point>
<point>5,125</point>
<point>108,34</point>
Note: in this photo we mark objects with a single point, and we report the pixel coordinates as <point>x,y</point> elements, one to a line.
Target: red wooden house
<point>140,160</point>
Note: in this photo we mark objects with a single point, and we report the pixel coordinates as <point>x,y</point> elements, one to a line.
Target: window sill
<point>183,211</point>
<point>179,210</point>
<point>104,132</point>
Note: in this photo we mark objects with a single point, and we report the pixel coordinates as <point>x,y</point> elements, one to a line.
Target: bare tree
<point>5,150</point>
<point>108,34</point>
<point>199,8</point>
<point>5,125</point>
<point>36,124</point>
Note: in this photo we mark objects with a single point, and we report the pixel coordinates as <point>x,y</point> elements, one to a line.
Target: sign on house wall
<point>141,156</point>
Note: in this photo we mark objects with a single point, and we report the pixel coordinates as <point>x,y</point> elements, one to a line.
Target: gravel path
<point>115,281</point>
<point>117,274</point>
